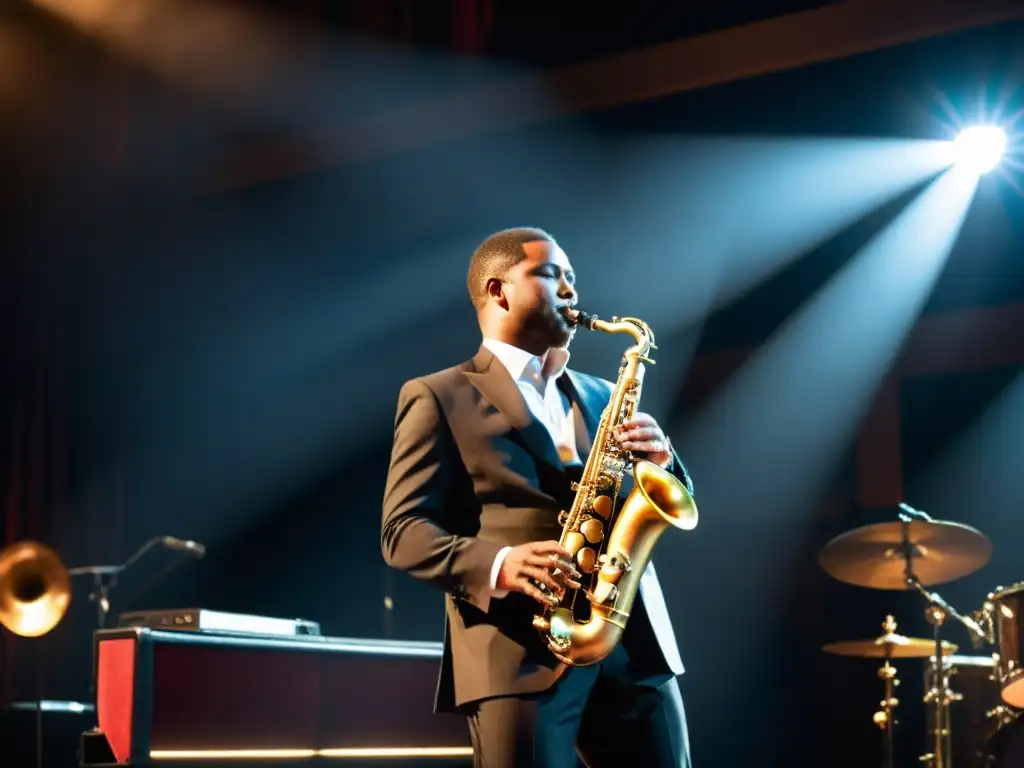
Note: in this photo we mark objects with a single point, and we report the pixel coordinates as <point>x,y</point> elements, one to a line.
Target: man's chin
<point>565,339</point>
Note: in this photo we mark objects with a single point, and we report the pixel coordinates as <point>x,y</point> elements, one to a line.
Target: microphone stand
<point>104,578</point>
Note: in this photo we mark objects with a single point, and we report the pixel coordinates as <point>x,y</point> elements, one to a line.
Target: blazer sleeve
<point>417,498</point>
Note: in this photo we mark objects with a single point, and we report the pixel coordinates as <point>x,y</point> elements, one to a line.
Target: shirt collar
<point>516,360</point>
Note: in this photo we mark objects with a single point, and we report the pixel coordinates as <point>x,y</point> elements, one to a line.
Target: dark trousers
<point>595,714</point>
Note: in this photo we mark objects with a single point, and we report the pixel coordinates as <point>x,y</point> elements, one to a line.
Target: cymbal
<point>899,647</point>
<point>870,556</point>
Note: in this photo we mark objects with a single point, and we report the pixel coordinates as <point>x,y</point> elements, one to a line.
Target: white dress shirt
<point>537,380</point>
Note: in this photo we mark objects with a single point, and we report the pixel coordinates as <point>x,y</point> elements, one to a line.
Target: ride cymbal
<point>892,645</point>
<point>871,556</point>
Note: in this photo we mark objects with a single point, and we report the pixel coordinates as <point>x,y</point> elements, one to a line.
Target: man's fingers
<point>647,446</point>
<point>527,588</point>
<point>550,548</point>
<point>643,433</point>
<point>551,562</point>
<point>639,420</point>
<point>539,561</point>
<point>542,576</point>
<point>566,567</point>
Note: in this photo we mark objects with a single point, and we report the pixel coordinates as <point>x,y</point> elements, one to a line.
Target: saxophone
<point>611,547</point>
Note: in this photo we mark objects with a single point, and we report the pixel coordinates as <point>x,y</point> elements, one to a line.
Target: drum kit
<point>913,553</point>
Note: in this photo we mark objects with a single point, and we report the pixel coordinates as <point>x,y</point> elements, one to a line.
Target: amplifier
<point>205,620</point>
<point>169,698</point>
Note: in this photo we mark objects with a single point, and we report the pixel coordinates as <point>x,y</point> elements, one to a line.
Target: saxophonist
<point>483,459</point>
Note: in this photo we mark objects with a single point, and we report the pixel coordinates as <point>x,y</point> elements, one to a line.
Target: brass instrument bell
<point>35,588</point>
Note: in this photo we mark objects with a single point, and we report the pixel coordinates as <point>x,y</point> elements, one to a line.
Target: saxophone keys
<point>604,593</point>
<point>602,507</point>
<point>593,530</point>
<point>613,566</point>
<point>574,542</point>
<point>586,558</point>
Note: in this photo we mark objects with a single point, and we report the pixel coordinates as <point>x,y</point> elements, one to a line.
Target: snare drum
<point>1005,612</point>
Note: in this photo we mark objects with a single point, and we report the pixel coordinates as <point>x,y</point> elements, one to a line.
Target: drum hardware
<point>940,696</point>
<point>976,719</point>
<point>1002,619</point>
<point>884,718</point>
<point>887,647</point>
<point>910,553</point>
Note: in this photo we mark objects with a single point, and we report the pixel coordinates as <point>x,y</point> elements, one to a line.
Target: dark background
<point>222,365</point>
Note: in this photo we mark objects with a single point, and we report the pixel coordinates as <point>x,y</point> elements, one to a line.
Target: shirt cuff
<point>495,570</point>
<point>493,590</point>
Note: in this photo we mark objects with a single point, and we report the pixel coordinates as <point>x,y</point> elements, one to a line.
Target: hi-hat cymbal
<point>870,556</point>
<point>892,645</point>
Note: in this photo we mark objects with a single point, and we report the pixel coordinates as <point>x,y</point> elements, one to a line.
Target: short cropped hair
<point>496,255</point>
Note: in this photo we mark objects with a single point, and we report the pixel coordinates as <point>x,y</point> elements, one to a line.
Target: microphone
<point>915,512</point>
<point>193,548</point>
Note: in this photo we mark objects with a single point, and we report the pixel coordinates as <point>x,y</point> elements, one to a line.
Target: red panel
<point>226,697</point>
<point>115,687</point>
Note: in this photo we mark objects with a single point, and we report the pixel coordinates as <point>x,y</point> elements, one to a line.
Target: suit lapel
<point>492,380</point>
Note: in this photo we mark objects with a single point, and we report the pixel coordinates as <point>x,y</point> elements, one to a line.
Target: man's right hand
<point>538,562</point>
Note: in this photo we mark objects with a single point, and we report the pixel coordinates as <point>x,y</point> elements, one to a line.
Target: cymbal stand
<point>939,756</point>
<point>884,718</point>
<point>939,696</point>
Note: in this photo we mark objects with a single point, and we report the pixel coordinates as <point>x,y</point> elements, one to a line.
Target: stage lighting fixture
<point>980,147</point>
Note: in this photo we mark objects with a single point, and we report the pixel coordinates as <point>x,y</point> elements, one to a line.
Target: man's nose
<point>566,290</point>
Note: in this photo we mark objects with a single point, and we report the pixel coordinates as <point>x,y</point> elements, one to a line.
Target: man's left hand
<point>643,436</point>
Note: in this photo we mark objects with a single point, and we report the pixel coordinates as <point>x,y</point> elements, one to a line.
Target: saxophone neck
<point>633,326</point>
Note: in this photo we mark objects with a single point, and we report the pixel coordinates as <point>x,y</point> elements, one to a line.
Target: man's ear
<point>496,292</point>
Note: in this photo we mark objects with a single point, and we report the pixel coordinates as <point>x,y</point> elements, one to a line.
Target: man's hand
<point>543,562</point>
<point>644,437</point>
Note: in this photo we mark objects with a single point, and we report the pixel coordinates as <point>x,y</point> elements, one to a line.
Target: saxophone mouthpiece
<point>579,317</point>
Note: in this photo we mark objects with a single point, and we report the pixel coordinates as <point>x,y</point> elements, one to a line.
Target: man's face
<point>537,290</point>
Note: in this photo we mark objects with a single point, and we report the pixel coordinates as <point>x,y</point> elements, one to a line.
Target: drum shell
<point>1006,608</point>
<point>974,679</point>
<point>1006,747</point>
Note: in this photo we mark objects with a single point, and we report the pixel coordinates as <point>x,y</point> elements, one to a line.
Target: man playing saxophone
<point>483,460</point>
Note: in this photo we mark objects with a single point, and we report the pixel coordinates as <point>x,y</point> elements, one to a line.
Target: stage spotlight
<point>980,147</point>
